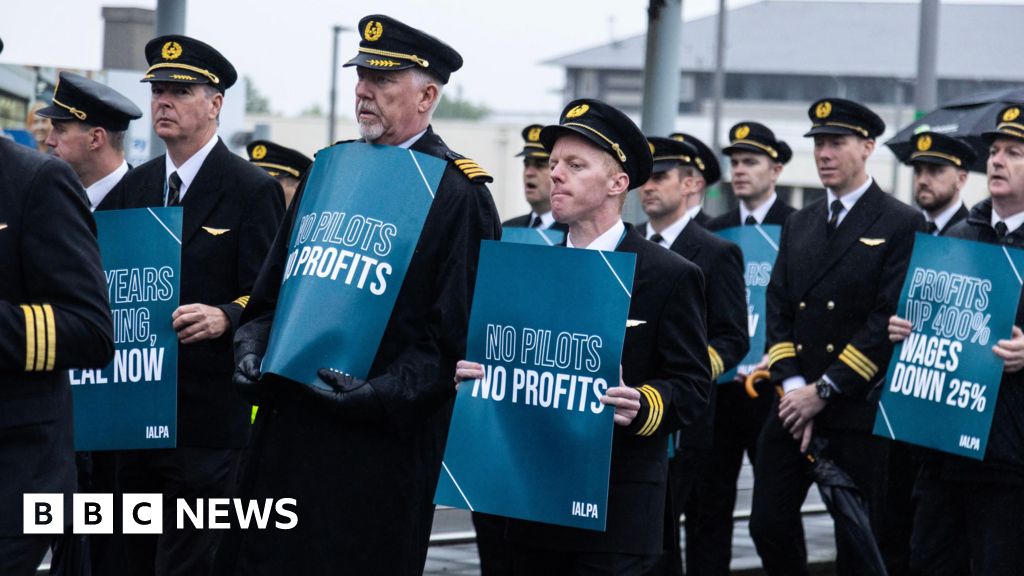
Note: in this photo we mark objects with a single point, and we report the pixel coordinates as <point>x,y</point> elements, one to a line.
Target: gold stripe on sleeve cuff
<point>780,351</point>
<point>242,301</point>
<point>40,321</point>
<point>717,366</point>
<point>30,338</point>
<point>858,362</point>
<point>655,413</point>
<point>51,337</point>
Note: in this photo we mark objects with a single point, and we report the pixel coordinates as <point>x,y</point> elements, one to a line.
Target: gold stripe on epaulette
<point>471,169</point>
<point>858,362</point>
<point>717,366</point>
<point>30,338</point>
<point>655,413</point>
<point>242,301</point>
<point>51,337</point>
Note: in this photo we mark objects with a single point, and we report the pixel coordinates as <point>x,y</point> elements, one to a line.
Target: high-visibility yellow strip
<point>37,311</point>
<point>717,366</point>
<point>51,337</point>
<point>30,338</point>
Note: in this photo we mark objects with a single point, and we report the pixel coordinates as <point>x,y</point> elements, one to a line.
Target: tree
<point>460,108</point>
<point>313,110</point>
<point>255,101</point>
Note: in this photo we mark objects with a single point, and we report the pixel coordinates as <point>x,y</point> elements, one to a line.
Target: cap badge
<point>700,164</point>
<point>259,152</point>
<point>577,111</point>
<point>924,142</point>
<point>679,138</point>
<point>533,135</point>
<point>171,51</point>
<point>1011,114</point>
<point>742,132</point>
<point>373,31</point>
<point>651,146</point>
<point>823,110</point>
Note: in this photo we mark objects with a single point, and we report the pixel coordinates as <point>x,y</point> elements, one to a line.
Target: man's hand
<point>349,397</point>
<point>1011,351</point>
<point>626,401</point>
<point>899,329</point>
<point>247,378</point>
<point>762,365</point>
<point>198,322</point>
<point>798,408</point>
<point>466,370</point>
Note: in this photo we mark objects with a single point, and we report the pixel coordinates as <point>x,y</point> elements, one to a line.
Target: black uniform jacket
<point>958,216</point>
<point>830,299</point>
<point>1004,454</point>
<point>54,315</point>
<point>665,355</point>
<point>702,218</point>
<point>777,214</point>
<point>721,262</point>
<point>524,221</point>
<point>231,211</point>
<point>365,489</point>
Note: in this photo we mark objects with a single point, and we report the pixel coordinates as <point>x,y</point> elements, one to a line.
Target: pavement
<point>462,559</point>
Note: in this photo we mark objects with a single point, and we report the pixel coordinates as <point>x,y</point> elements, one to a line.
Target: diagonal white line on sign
<point>176,239</point>
<point>767,238</point>
<point>544,236</point>
<point>457,487</point>
<point>886,418</point>
<point>422,175</point>
<point>609,264</point>
<point>1012,265</point>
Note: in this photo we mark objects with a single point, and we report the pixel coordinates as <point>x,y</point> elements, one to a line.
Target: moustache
<point>367,106</point>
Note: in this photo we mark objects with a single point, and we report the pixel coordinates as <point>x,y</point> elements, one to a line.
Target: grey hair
<point>423,79</point>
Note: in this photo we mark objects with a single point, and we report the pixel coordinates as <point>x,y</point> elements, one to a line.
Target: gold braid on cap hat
<point>213,77</point>
<point>413,57</point>
<point>80,114</point>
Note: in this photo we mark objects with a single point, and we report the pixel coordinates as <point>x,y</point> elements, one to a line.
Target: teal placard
<point>531,440</point>
<point>760,246</point>
<point>941,387</point>
<point>355,231</point>
<point>133,403</point>
<point>532,236</point>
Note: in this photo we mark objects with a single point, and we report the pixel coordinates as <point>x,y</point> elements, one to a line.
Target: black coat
<point>830,299</point>
<point>54,315</point>
<point>668,353</point>
<point>958,216</point>
<point>1004,454</point>
<point>231,211</point>
<point>777,214</point>
<point>524,221</point>
<point>365,490</point>
<point>721,263</point>
<point>702,218</point>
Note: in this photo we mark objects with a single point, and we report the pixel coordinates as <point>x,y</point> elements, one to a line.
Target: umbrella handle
<point>752,379</point>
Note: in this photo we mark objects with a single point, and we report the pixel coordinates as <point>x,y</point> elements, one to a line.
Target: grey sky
<point>284,45</point>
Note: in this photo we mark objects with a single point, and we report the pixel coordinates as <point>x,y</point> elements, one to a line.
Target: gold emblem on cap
<point>533,135</point>
<point>259,152</point>
<point>823,109</point>
<point>679,138</point>
<point>577,111</point>
<point>1011,114</point>
<point>373,31</point>
<point>742,132</point>
<point>924,142</point>
<point>651,146</point>
<point>171,51</point>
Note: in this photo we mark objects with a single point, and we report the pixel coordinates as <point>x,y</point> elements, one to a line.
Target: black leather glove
<point>350,397</point>
<point>247,378</point>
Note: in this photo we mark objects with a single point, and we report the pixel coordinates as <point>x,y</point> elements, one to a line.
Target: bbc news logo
<point>144,513</point>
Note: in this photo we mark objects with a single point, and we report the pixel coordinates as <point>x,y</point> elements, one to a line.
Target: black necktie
<point>173,189</point>
<point>750,221</point>
<point>931,227</point>
<point>657,238</point>
<point>535,223</point>
<point>833,221</point>
<point>1001,230</point>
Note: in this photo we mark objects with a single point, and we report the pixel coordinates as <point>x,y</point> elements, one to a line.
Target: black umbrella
<point>847,505</point>
<point>963,118</point>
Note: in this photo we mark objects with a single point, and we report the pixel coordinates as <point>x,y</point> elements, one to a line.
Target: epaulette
<point>335,144</point>
<point>471,169</point>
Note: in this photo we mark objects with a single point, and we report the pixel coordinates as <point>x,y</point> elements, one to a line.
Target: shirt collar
<point>188,170</point>
<point>942,219</point>
<point>547,219</point>
<point>1012,223</point>
<point>692,212</point>
<point>848,200</point>
<point>100,188</point>
<point>760,213</point>
<point>608,241</point>
<point>671,232</point>
<point>412,140</point>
